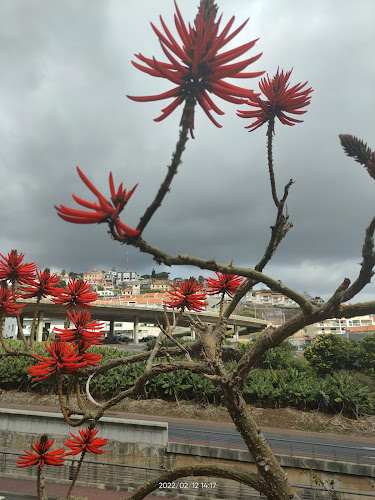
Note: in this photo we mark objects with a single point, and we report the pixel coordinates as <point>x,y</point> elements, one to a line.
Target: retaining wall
<point>140,445</point>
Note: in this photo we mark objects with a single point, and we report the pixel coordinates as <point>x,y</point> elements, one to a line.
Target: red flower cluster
<point>225,284</point>
<point>85,330</point>
<point>64,358</point>
<point>68,352</point>
<point>12,269</point>
<point>88,358</point>
<point>77,294</point>
<point>103,211</point>
<point>86,442</point>
<point>46,284</point>
<point>202,69</point>
<point>280,100</point>
<point>42,456</point>
<point>185,296</point>
<point>8,305</point>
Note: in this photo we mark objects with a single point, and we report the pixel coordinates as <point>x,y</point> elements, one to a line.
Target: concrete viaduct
<point>134,315</point>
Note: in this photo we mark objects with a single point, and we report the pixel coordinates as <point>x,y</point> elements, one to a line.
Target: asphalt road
<point>282,443</point>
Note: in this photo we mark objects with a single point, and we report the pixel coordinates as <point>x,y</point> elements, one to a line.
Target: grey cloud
<point>65,74</point>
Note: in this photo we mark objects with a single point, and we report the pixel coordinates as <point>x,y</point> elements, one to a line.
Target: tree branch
<point>243,476</point>
<point>270,161</point>
<point>186,260</point>
<point>278,232</point>
<point>157,369</point>
<point>367,264</point>
<point>192,348</point>
<point>172,169</point>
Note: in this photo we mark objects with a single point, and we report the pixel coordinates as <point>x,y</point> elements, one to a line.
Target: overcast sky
<point>65,73</point>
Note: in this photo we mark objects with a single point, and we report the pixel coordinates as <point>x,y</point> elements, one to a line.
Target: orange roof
<point>364,328</point>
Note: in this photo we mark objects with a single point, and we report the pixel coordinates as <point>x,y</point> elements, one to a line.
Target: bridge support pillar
<point>135,330</point>
<point>111,329</point>
<point>18,333</point>
<point>235,331</point>
<point>39,332</point>
<point>192,333</point>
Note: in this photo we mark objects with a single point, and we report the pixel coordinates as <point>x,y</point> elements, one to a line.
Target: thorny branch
<point>172,169</point>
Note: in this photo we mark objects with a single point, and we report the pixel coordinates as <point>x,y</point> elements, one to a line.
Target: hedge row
<point>266,388</point>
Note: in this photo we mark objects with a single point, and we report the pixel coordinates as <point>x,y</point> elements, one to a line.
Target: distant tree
<point>365,355</point>
<point>162,276</point>
<point>75,275</point>
<point>279,357</point>
<point>329,353</point>
<point>201,279</point>
<point>250,313</point>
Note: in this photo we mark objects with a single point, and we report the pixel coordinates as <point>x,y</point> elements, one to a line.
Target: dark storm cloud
<point>65,75</point>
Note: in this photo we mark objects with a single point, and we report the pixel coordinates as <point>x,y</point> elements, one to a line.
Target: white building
<point>10,328</point>
<point>126,276</point>
<point>105,293</point>
<point>347,327</point>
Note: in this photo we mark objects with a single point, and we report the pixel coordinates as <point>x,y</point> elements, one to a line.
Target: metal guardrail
<point>126,476</point>
<point>290,447</point>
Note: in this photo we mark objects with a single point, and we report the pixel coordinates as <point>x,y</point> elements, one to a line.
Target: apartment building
<point>94,277</point>
<point>161,285</point>
<point>126,276</point>
<point>268,299</point>
<point>347,327</point>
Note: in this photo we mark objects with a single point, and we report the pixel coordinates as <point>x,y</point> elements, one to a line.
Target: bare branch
<point>359,309</point>
<point>88,394</point>
<point>367,264</point>
<point>157,369</point>
<point>235,473</point>
<point>136,358</point>
<point>72,423</point>
<point>183,349</point>
<point>154,351</point>
<point>270,161</point>
<point>172,169</point>
<point>210,265</point>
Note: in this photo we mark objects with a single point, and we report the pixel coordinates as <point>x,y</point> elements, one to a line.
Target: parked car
<point>124,338</point>
<point>107,340</point>
<point>147,338</point>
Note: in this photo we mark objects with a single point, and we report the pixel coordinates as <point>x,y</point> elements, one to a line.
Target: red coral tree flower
<point>185,296</point>
<point>12,269</point>
<point>225,284</point>
<point>104,211</point>
<point>88,358</point>
<point>8,305</point>
<point>42,456</point>
<point>64,358</point>
<point>45,285</point>
<point>86,442</point>
<point>78,294</point>
<point>200,69</point>
<point>86,330</point>
<point>280,100</point>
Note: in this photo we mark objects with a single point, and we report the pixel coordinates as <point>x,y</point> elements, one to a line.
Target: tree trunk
<point>275,479</point>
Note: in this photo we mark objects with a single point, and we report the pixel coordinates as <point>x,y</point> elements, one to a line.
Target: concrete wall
<point>144,444</point>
